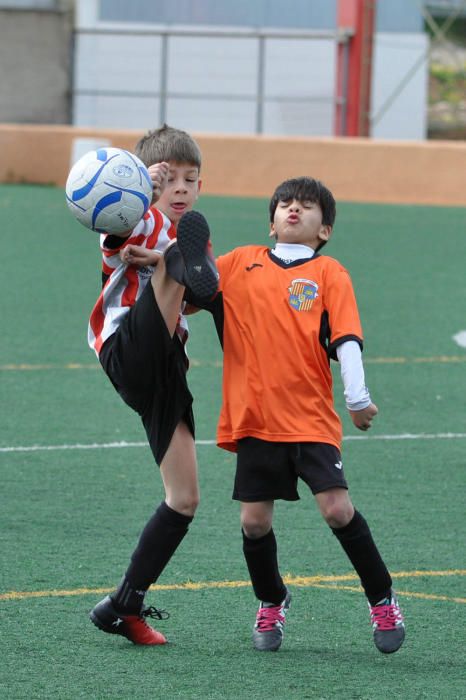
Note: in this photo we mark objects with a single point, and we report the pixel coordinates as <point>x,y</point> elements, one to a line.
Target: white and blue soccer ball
<point>109,190</point>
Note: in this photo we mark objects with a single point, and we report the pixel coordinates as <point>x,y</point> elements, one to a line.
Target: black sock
<point>157,544</point>
<point>127,599</point>
<point>356,540</point>
<point>261,558</point>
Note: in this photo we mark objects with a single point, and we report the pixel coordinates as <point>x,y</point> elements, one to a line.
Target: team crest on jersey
<point>302,294</point>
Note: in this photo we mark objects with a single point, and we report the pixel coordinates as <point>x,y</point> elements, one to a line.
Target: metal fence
<point>257,72</point>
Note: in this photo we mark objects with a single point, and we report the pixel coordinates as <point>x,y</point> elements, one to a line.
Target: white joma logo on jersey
<point>339,465</point>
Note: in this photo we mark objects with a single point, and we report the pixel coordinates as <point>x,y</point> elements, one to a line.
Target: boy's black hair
<point>305,189</point>
<point>168,143</point>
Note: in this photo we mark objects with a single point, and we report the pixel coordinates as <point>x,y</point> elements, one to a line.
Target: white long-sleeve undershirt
<point>349,353</point>
<point>356,393</point>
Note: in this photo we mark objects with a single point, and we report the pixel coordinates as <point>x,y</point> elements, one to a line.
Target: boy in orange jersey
<point>138,332</point>
<point>281,315</point>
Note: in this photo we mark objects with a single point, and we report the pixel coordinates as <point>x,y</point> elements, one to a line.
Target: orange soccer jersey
<point>281,324</point>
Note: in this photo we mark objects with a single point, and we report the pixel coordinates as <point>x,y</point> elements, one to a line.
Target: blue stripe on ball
<point>74,203</point>
<point>145,201</point>
<point>111,198</point>
<point>142,170</point>
<point>145,174</point>
<point>84,191</point>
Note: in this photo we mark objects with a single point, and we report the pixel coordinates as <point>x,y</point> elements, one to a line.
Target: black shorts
<point>148,369</point>
<point>266,471</point>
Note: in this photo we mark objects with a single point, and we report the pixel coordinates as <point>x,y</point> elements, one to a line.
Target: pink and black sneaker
<point>388,625</point>
<point>267,634</point>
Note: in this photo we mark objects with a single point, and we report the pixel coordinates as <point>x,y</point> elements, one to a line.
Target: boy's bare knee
<point>338,515</point>
<point>255,527</point>
<point>256,519</point>
<point>336,519</point>
<point>336,507</point>
<point>186,504</point>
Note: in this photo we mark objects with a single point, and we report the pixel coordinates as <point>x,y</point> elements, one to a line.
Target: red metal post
<point>354,67</point>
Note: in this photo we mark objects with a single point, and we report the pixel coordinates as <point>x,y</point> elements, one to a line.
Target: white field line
<point>459,339</point>
<point>122,444</point>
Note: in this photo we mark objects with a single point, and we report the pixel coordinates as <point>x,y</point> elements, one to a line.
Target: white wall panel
<point>212,66</point>
<point>406,116</point>
<point>293,118</point>
<point>117,63</point>
<point>117,112</point>
<point>221,116</point>
<point>300,68</point>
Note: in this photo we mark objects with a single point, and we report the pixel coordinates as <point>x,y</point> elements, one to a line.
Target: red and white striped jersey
<point>126,283</point>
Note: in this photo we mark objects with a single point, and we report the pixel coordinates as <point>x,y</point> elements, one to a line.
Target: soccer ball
<point>109,190</point>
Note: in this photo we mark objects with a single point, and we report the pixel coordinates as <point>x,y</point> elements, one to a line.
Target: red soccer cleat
<point>133,627</point>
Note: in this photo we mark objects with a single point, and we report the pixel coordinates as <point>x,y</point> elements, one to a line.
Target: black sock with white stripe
<point>127,599</point>
<point>157,544</point>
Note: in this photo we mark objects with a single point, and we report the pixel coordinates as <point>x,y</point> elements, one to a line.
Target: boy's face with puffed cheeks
<point>299,222</point>
<point>181,191</point>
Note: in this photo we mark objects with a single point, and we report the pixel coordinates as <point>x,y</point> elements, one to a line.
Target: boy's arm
<point>138,255</point>
<point>158,174</point>
<point>357,397</point>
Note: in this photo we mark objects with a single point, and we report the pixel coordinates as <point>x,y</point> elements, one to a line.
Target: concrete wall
<point>356,170</point>
<point>35,65</point>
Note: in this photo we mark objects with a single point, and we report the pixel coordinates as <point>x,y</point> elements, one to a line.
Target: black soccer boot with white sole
<point>189,261</point>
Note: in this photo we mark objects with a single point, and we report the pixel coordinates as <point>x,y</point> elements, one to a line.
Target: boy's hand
<point>158,174</point>
<point>139,256</point>
<point>189,309</point>
<point>363,419</point>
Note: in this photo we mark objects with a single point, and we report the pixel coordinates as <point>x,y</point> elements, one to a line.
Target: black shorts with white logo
<point>266,471</point>
<point>148,369</point>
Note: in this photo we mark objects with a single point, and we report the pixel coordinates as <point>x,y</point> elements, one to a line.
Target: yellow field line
<point>328,582</point>
<point>440,359</point>
<point>27,367</point>
<point>308,580</point>
<point>405,594</point>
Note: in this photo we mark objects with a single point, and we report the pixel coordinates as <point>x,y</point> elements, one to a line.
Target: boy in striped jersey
<point>138,332</point>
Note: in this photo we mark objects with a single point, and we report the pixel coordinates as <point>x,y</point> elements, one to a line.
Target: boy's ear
<point>199,185</point>
<point>325,232</point>
<point>272,233</point>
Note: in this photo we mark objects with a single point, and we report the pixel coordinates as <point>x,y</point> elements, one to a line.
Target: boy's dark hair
<point>305,189</point>
<point>168,143</point>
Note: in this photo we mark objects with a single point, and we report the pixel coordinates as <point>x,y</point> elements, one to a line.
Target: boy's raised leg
<point>189,261</point>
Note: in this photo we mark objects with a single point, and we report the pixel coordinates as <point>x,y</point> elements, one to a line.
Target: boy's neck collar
<point>289,252</point>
